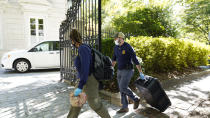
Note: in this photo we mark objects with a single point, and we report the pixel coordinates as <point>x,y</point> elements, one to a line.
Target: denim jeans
<point>123,77</point>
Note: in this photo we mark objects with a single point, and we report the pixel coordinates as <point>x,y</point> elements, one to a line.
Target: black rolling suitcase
<point>153,93</point>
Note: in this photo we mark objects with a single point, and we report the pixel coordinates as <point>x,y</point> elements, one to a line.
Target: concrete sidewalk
<point>190,97</point>
<point>38,94</point>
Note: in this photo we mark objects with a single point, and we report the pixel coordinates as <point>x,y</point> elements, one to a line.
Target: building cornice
<point>35,2</point>
<point>35,5</point>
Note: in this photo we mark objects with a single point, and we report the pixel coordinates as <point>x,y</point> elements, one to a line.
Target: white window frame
<point>29,28</point>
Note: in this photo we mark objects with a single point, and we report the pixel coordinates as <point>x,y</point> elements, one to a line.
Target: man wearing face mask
<point>124,55</point>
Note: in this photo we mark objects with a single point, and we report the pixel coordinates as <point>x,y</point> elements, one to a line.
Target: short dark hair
<point>75,36</point>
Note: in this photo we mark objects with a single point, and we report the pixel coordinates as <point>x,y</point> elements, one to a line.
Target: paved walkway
<point>33,95</point>
<point>38,94</point>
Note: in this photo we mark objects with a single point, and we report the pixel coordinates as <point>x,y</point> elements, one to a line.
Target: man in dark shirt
<point>88,82</point>
<point>124,55</point>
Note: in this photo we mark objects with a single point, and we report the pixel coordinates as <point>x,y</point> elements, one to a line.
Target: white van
<point>44,55</point>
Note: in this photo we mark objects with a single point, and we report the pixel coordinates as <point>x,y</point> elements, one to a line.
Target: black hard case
<point>153,93</point>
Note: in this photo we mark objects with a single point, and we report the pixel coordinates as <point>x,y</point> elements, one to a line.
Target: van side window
<point>56,46</point>
<point>43,47</point>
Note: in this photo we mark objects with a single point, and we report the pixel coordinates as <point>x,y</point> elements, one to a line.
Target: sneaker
<point>123,110</point>
<point>136,104</point>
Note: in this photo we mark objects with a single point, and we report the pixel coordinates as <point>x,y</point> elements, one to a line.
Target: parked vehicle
<point>44,55</point>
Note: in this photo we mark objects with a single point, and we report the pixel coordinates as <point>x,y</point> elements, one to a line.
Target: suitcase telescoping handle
<point>144,82</point>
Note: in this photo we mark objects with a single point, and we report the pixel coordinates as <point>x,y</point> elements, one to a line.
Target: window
<point>46,46</point>
<point>33,26</point>
<point>56,46</point>
<point>43,47</point>
<point>36,30</point>
<point>41,27</point>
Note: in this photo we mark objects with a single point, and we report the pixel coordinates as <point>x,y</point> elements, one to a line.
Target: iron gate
<point>85,16</point>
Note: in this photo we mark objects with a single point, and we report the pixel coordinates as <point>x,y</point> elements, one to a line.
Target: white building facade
<point>24,23</point>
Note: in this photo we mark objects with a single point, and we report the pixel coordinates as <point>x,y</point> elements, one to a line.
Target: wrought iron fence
<point>85,16</point>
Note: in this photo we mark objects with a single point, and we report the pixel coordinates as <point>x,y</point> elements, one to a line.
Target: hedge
<point>161,55</point>
<point>168,54</point>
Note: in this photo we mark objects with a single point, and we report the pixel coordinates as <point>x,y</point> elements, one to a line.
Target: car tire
<point>22,66</point>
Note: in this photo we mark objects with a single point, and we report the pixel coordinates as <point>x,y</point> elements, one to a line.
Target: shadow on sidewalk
<point>35,100</point>
<point>144,112</point>
<point>187,93</point>
<point>151,113</point>
<point>176,83</point>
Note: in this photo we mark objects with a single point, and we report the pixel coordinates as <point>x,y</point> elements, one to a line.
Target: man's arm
<point>114,59</point>
<point>139,68</point>
<point>134,59</point>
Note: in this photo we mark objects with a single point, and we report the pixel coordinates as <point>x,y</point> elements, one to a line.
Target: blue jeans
<point>123,77</point>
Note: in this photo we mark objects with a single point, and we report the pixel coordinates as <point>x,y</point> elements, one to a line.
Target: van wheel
<point>22,66</point>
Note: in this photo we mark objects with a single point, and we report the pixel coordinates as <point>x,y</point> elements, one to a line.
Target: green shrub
<point>108,50</point>
<point>160,55</point>
<point>168,54</point>
<point>108,47</point>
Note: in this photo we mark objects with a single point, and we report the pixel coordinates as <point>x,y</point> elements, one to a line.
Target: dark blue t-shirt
<point>124,55</point>
<point>83,63</point>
